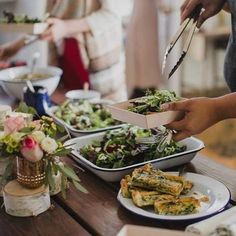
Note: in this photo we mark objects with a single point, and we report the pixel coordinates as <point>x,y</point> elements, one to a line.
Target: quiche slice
<point>179,206</point>
<point>147,198</point>
<point>149,178</point>
<point>127,188</point>
<point>157,183</point>
<point>124,186</point>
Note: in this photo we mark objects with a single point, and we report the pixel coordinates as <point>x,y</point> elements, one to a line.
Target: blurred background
<point>148,26</point>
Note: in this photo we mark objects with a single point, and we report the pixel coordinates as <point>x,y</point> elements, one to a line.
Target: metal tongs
<point>193,20</point>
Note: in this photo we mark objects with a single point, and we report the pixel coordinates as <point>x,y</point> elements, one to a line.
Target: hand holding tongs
<point>193,19</point>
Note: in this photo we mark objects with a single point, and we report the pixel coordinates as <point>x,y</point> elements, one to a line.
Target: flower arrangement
<point>35,142</point>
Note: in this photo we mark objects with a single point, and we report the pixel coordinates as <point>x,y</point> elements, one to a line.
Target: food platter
<point>146,111</point>
<point>77,132</point>
<point>217,192</point>
<point>111,175</point>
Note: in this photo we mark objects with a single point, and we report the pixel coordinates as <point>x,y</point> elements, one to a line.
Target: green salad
<point>119,148</point>
<point>152,101</point>
<point>83,115</point>
<point>9,17</point>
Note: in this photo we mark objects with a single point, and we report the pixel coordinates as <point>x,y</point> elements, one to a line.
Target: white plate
<point>77,132</point>
<point>217,192</point>
<point>111,175</point>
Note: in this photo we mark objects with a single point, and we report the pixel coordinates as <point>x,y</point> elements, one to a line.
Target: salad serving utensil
<point>163,137</point>
<point>29,84</point>
<point>192,20</point>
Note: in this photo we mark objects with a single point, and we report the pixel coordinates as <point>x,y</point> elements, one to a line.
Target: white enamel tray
<point>76,132</point>
<point>111,175</point>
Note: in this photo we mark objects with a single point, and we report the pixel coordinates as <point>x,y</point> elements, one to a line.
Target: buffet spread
<point>125,142</point>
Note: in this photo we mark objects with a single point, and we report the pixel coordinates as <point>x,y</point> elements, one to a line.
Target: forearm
<point>18,44</point>
<point>77,26</point>
<point>226,106</point>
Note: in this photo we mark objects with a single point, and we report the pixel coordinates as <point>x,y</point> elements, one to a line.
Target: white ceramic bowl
<point>90,95</point>
<point>15,88</point>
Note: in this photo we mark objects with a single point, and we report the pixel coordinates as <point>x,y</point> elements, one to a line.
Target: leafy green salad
<point>83,115</point>
<point>119,148</point>
<point>152,101</point>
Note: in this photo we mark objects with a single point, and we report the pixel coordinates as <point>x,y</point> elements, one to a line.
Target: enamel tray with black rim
<point>217,192</point>
<point>77,132</point>
<point>111,175</point>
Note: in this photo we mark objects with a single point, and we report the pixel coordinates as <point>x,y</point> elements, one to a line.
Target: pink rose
<point>13,124</point>
<point>31,150</point>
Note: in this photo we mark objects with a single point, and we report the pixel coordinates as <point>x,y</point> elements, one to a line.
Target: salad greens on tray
<point>9,17</point>
<point>152,101</point>
<point>83,115</point>
<point>119,148</point>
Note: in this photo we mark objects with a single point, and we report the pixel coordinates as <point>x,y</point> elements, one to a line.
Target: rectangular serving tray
<point>36,28</point>
<point>120,112</point>
<point>76,132</point>
<point>111,175</point>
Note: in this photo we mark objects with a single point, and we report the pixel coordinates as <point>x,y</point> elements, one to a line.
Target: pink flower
<point>31,150</point>
<point>13,124</point>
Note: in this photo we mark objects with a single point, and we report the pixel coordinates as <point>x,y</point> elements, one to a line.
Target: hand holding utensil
<point>191,20</point>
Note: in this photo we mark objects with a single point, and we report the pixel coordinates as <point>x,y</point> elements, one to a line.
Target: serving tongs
<point>162,138</point>
<point>192,20</point>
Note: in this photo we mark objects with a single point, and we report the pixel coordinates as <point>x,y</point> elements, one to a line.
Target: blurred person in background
<point>86,41</point>
<point>143,43</point>
<point>201,113</point>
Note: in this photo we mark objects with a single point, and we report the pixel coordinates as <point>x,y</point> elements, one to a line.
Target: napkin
<point>223,224</point>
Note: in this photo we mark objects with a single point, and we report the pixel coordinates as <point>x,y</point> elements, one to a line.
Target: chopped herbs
<point>83,115</point>
<point>119,148</point>
<point>152,101</point>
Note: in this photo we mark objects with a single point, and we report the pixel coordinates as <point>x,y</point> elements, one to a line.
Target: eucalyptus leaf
<point>68,172</point>
<point>8,171</point>
<point>63,186</point>
<point>50,179</point>
<point>64,152</point>
<point>26,109</point>
<point>79,187</point>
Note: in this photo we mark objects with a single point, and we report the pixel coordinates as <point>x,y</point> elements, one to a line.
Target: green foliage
<point>152,101</point>
<point>26,109</point>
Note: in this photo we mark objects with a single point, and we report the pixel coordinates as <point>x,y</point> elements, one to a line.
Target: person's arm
<point>64,28</point>
<point>200,114</point>
<point>10,49</point>
<point>97,22</point>
<point>211,8</point>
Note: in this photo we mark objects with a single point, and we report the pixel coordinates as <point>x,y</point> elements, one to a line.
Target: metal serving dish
<point>194,145</point>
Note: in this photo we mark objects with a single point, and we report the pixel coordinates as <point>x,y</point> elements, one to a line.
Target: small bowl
<point>14,88</point>
<point>90,95</point>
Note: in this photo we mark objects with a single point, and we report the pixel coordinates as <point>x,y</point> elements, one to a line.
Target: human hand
<point>211,8</point>
<point>200,114</point>
<point>57,30</point>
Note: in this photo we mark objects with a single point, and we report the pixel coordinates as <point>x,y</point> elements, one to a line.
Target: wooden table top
<point>53,222</point>
<point>99,212</point>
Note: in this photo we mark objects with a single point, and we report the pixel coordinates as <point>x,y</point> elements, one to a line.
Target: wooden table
<point>99,212</point>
